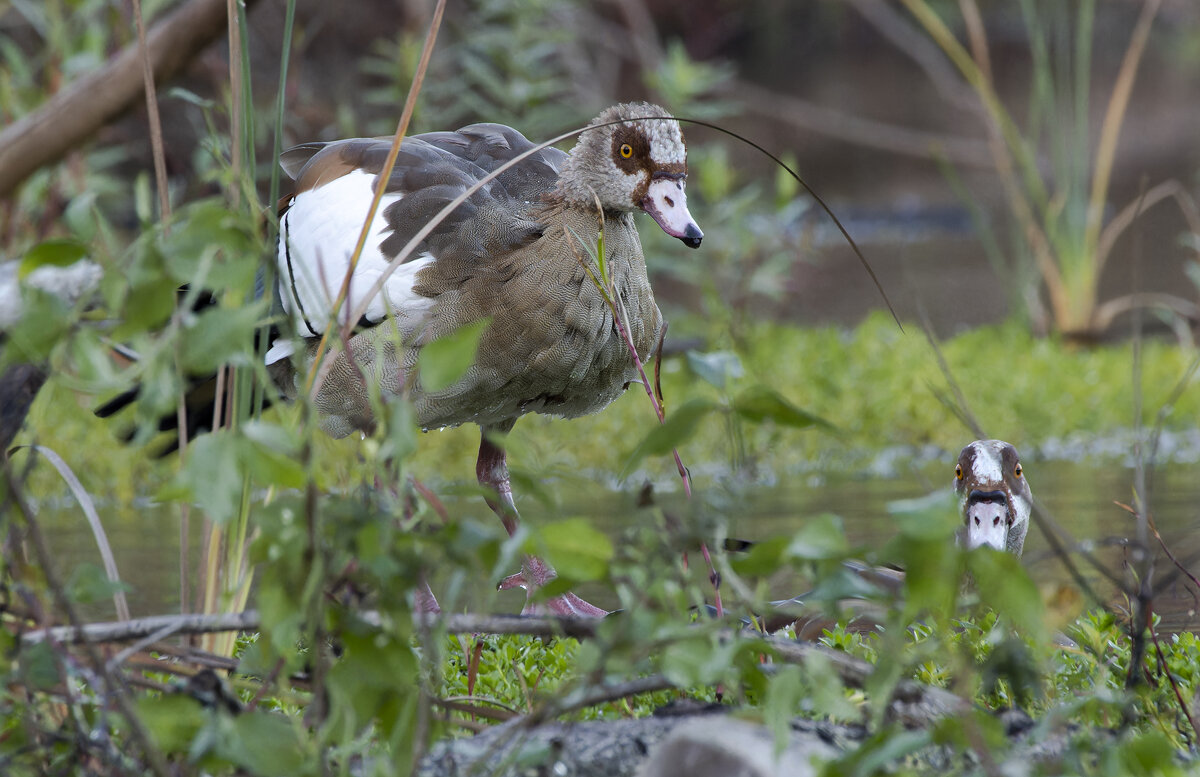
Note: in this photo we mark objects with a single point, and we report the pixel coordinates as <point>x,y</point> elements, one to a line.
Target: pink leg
<point>491,469</point>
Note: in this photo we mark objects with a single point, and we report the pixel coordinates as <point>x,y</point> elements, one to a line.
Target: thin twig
<point>156,133</point>
<point>167,630</point>
<point>1183,705</point>
<point>139,628</point>
<point>430,498</point>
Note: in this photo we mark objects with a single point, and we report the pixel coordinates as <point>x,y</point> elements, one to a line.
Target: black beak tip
<point>692,236</point>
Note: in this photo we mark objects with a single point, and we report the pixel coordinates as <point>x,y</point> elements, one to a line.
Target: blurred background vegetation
<point>968,176</point>
<point>1021,176</point>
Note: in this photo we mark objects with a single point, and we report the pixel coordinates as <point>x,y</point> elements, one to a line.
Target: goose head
<point>994,496</point>
<point>637,164</point>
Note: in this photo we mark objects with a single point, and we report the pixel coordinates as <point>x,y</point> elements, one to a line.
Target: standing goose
<point>510,255</point>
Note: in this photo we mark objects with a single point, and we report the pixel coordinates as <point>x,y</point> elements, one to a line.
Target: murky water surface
<point>1080,496</point>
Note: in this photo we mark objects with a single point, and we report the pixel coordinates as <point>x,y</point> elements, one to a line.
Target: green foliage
<point>341,537</point>
<point>446,359</point>
<point>513,63</point>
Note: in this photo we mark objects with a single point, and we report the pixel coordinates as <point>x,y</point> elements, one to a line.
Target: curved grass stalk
<point>89,509</point>
<point>1110,130</point>
<point>1069,254</point>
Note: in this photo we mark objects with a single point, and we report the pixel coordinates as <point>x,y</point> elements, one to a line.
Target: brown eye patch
<point>631,149</point>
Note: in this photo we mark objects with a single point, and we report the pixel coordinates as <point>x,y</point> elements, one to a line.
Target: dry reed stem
<point>1110,129</point>
<point>312,383</point>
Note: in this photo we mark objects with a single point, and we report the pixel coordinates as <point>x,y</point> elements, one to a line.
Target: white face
<point>993,495</point>
<point>987,525</point>
<point>666,203</point>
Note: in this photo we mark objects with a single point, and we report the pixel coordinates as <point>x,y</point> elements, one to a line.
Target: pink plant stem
<point>637,361</point>
<point>683,473</point>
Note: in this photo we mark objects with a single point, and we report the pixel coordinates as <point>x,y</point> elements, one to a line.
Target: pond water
<point>1080,496</point>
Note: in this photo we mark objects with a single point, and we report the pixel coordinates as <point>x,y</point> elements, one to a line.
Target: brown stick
<point>69,117</point>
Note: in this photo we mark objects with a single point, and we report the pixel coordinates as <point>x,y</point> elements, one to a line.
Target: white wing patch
<point>318,236</point>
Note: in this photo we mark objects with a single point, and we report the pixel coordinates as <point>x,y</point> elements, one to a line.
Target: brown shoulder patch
<point>340,158</point>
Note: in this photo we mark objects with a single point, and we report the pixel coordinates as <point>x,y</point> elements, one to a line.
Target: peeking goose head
<point>637,164</point>
<point>994,495</point>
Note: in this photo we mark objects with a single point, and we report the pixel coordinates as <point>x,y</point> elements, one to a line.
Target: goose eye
<point>1017,471</point>
<point>626,150</point>
<point>958,471</point>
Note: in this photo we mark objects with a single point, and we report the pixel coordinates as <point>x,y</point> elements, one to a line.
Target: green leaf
<point>89,583</point>
<point>446,359</point>
<point>400,441</point>
<point>716,368</point>
<point>44,321</point>
<point>879,753</point>
<point>761,558</point>
<point>933,572</point>
<point>147,307</point>
<point>679,426</point>
<point>214,336</point>
<point>39,667</point>
<point>782,703</point>
<point>760,403</point>
<point>211,476</point>
<point>373,684</point>
<point>51,253</point>
<point>842,583</point>
<point>820,538</point>
<point>826,692</point>
<point>577,549</point>
<point>266,744</point>
<point>1150,753</point>
<point>932,517</point>
<point>270,455</point>
<point>697,661</point>
<point>210,245</point>
<point>1004,586</point>
<point>172,720</point>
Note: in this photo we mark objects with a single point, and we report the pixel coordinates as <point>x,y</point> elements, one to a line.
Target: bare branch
<point>69,117</point>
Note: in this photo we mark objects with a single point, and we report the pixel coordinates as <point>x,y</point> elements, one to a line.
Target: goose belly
<point>552,347</point>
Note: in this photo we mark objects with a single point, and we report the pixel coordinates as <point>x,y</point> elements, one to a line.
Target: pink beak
<point>666,202</point>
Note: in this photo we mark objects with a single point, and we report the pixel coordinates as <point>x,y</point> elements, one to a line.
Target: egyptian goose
<point>995,503</point>
<point>511,254</point>
<point>994,496</point>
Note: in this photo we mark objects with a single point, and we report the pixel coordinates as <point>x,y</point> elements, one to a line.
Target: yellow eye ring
<point>1017,471</point>
<point>626,150</point>
<point>958,471</point>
